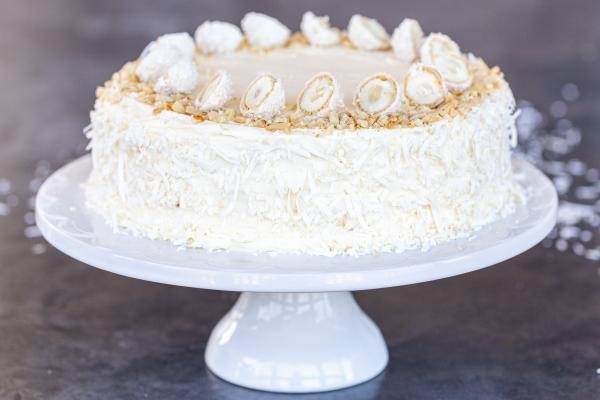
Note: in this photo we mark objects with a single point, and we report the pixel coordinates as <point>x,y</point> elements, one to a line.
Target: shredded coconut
<point>230,186</point>
<point>264,31</point>
<point>549,143</point>
<point>318,31</point>
<point>218,37</point>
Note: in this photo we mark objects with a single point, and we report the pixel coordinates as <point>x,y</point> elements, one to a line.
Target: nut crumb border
<point>125,83</point>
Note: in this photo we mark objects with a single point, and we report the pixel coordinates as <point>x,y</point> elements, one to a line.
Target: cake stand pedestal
<point>296,342</point>
<point>296,327</point>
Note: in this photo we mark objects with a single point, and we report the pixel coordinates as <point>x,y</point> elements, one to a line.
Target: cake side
<point>322,142</point>
<point>228,186</point>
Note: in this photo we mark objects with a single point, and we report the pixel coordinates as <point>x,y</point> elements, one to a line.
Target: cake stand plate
<point>296,327</point>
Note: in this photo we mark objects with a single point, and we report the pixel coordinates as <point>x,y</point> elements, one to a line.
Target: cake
<point>322,142</point>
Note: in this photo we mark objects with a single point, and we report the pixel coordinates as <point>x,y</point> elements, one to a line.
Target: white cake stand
<point>296,326</point>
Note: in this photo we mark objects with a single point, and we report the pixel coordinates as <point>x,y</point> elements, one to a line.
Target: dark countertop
<point>528,328</point>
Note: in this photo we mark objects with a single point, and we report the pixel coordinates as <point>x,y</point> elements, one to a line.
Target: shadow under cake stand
<point>296,326</point>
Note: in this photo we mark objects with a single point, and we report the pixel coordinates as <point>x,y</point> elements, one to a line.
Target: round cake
<point>323,142</point>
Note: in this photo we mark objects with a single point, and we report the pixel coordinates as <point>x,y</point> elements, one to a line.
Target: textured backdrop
<point>528,328</point>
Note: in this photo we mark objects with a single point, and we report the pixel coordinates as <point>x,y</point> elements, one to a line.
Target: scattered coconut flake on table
<point>38,248</point>
<point>29,218</point>
<point>549,142</point>
<point>7,199</point>
<point>4,187</point>
<point>32,232</point>
<point>12,200</point>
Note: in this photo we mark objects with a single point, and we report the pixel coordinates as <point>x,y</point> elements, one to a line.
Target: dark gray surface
<point>528,328</point>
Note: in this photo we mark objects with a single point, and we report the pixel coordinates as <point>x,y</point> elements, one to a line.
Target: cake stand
<point>296,326</point>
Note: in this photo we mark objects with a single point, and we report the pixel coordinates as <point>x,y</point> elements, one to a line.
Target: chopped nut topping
<point>124,83</point>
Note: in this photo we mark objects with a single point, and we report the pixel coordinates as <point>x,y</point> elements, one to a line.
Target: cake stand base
<point>296,327</point>
<point>296,342</point>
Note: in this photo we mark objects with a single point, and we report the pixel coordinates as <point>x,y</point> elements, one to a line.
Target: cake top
<point>321,77</point>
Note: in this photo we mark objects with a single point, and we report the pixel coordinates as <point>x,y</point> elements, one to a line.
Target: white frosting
<point>407,40</point>
<point>226,186</point>
<point>264,31</point>
<point>264,97</point>
<point>181,77</point>
<point>367,34</point>
<point>318,31</point>
<point>216,93</point>
<point>218,37</point>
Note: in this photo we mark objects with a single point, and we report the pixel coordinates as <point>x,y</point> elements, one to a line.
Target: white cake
<point>322,142</point>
